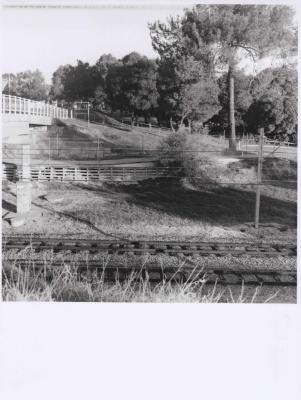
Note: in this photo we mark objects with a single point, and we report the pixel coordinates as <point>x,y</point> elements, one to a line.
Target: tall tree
<point>275,103</point>
<point>243,99</point>
<point>102,68</point>
<point>222,34</point>
<point>132,85</point>
<point>28,84</point>
<point>57,90</point>
<point>78,81</point>
<point>187,84</point>
<point>197,97</point>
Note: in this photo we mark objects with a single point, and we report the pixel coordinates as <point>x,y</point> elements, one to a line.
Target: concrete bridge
<point>20,116</point>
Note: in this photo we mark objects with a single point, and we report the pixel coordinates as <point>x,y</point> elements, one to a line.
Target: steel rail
<point>137,247</point>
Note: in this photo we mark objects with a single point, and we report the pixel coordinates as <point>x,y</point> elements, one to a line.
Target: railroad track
<point>170,248</point>
<point>154,272</point>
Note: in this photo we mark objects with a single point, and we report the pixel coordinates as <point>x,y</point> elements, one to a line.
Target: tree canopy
<point>220,35</point>
<point>28,84</point>
<point>139,84</point>
<point>275,104</point>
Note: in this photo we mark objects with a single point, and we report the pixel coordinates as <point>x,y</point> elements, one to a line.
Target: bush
<point>188,152</point>
<point>198,158</point>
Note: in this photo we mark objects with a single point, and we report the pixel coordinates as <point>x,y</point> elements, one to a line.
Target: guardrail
<point>20,105</point>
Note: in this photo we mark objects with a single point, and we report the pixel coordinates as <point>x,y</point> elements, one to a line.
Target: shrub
<point>192,153</point>
<point>198,158</point>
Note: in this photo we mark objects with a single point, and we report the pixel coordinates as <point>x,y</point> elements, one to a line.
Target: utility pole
<point>231,114</point>
<point>259,173</point>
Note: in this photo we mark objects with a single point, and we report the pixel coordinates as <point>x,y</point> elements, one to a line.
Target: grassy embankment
<point>163,210</point>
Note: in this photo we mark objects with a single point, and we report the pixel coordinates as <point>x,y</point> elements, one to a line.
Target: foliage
<point>58,80</point>
<point>235,31</point>
<point>275,105</point>
<point>131,85</point>
<point>187,91</point>
<point>28,84</point>
<point>128,85</point>
<point>220,35</point>
<point>198,95</point>
<point>189,152</point>
<point>172,148</point>
<point>79,82</point>
<point>103,66</point>
<point>243,99</point>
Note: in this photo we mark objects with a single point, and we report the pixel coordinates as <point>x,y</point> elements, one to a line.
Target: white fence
<point>15,172</point>
<point>20,105</point>
<point>270,142</point>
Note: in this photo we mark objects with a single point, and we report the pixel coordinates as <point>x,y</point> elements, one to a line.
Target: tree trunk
<point>232,142</point>
<point>171,125</point>
<point>189,125</point>
<point>146,117</point>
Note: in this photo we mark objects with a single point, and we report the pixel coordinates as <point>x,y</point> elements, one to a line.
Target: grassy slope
<point>77,142</point>
<point>157,210</point>
<point>114,136</point>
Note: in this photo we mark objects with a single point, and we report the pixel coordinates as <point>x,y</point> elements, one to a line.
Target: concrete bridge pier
<point>23,190</point>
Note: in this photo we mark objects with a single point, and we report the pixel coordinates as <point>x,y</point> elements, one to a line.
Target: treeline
<point>189,83</point>
<point>139,86</point>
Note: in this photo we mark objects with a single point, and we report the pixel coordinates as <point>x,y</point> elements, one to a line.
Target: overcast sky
<point>46,38</point>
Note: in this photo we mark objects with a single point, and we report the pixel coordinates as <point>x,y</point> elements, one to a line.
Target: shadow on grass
<point>8,206</point>
<point>76,219</point>
<point>220,205</point>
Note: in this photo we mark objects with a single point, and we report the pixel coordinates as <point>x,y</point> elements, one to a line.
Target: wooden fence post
<point>49,147</point>
<point>57,143</point>
<point>97,149</point>
<point>259,173</point>
<point>23,186</point>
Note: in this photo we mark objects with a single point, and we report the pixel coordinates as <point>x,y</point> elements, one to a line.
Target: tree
<point>80,82</point>
<point>222,34</point>
<point>74,82</point>
<point>187,85</point>
<point>198,92</point>
<point>275,104</point>
<point>104,63</point>
<point>131,85</point>
<point>243,100</point>
<point>102,67</point>
<point>57,90</point>
<point>28,84</point>
<point>10,86</point>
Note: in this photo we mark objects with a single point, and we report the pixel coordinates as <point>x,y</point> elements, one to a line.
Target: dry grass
<point>67,286</point>
<point>64,283</point>
<point>115,137</point>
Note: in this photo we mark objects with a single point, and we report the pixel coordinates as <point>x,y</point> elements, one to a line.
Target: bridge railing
<point>20,105</point>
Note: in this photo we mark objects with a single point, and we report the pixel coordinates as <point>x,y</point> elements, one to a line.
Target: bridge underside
<point>16,128</point>
<point>30,119</point>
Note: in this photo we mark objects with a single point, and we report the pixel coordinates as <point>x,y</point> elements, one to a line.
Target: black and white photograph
<point>149,200</point>
<point>149,153</point>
